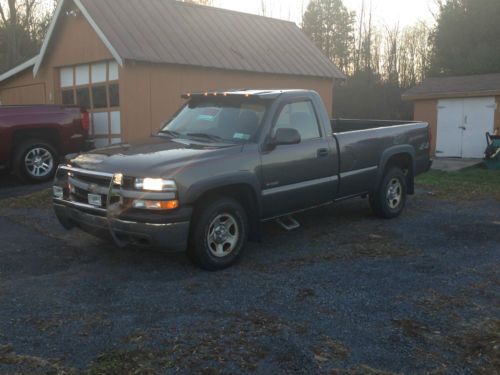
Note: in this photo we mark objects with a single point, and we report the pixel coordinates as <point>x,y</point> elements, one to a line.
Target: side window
<point>299,116</point>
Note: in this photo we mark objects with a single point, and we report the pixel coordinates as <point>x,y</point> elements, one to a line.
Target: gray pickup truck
<point>228,161</point>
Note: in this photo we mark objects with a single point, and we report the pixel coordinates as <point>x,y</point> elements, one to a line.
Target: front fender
<point>196,190</point>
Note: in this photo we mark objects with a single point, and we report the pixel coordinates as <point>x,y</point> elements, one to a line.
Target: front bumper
<point>114,218</point>
<point>171,236</point>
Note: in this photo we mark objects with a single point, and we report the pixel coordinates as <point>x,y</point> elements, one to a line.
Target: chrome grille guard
<point>114,208</point>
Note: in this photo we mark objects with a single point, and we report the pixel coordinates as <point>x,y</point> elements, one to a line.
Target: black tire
<point>202,250</point>
<point>28,172</point>
<point>393,186</point>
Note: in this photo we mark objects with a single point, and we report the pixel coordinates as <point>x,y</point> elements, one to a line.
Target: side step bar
<point>288,223</point>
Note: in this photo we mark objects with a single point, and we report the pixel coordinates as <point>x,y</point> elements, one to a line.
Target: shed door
<point>479,119</point>
<point>462,125</point>
<point>449,132</point>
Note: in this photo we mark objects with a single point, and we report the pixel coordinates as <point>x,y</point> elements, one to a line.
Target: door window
<point>299,116</point>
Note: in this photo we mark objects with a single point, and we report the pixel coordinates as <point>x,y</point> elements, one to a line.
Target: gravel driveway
<point>11,186</point>
<point>347,293</point>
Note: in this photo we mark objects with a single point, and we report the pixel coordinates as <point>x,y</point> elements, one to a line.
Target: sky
<point>386,12</point>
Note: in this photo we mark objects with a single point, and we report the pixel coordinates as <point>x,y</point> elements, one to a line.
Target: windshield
<point>223,120</point>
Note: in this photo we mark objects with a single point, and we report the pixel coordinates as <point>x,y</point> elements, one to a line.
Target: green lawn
<point>469,184</point>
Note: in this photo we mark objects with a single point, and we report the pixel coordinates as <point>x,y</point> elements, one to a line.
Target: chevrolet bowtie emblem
<point>93,188</point>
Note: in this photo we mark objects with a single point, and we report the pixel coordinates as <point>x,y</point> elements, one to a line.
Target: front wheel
<point>219,234</point>
<point>390,199</point>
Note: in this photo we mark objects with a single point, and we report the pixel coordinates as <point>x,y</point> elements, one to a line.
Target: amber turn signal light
<point>155,205</point>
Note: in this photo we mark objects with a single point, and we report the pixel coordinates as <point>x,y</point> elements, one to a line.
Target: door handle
<point>322,152</point>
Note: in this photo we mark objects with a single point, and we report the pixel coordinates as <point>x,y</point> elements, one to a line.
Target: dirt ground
<point>345,294</point>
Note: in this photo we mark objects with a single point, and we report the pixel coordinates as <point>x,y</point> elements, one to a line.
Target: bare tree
<point>23,24</point>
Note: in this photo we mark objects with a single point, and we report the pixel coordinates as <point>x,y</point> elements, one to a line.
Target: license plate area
<point>95,200</point>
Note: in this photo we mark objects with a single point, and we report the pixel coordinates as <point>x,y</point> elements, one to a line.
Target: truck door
<point>298,176</point>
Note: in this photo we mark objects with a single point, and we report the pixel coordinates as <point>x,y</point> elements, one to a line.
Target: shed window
<point>82,75</point>
<point>95,87</point>
<point>68,97</point>
<point>98,72</point>
<point>113,71</point>
<point>99,97</point>
<point>114,95</point>
<point>67,77</point>
<point>83,97</point>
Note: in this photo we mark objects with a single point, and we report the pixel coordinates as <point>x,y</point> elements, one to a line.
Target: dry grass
<point>41,199</point>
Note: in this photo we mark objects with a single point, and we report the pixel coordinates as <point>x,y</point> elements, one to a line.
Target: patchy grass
<point>330,350</point>
<point>40,199</point>
<point>469,184</point>
<point>480,347</point>
<point>411,328</point>
<point>365,247</point>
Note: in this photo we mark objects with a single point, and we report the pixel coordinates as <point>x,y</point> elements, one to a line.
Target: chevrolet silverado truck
<point>226,162</point>
<point>34,138</point>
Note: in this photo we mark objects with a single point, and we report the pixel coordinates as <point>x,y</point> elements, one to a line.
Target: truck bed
<point>363,143</point>
<point>340,125</point>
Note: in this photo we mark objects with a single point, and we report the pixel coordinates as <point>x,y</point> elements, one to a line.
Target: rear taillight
<point>85,121</point>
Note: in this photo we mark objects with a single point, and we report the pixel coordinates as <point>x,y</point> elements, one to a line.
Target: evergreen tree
<point>467,38</point>
<point>330,26</point>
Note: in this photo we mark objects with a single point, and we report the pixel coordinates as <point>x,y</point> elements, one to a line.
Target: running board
<point>288,223</point>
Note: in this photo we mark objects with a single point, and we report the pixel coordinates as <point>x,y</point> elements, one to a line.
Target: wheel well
<point>245,195</point>
<point>48,135</point>
<point>405,162</point>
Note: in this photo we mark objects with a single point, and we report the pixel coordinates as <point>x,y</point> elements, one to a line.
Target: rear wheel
<point>390,199</point>
<point>219,234</point>
<point>35,161</point>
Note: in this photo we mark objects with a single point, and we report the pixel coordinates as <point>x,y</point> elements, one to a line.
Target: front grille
<point>98,180</point>
<point>83,184</point>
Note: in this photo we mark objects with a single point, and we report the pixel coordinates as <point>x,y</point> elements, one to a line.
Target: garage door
<point>462,125</point>
<point>95,87</point>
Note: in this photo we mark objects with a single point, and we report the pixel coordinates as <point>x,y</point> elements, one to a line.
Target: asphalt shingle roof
<point>166,31</point>
<point>474,85</point>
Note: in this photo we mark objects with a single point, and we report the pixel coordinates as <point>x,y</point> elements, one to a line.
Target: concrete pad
<point>454,164</point>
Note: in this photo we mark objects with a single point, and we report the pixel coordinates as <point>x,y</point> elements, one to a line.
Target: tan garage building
<point>129,61</point>
<point>461,110</point>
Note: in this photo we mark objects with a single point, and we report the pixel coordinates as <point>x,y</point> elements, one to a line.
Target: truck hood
<point>152,157</point>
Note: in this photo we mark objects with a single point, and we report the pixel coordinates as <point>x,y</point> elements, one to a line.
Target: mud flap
<point>114,208</point>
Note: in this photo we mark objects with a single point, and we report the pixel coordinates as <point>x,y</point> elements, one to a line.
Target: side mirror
<point>285,136</point>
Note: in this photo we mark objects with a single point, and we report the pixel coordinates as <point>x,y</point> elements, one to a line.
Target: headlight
<point>155,184</point>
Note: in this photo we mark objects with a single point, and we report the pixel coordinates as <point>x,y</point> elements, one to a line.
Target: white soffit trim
<point>48,37</point>
<point>89,19</point>
<point>18,69</point>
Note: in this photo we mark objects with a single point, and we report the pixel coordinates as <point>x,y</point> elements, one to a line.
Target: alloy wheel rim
<point>394,193</point>
<point>223,235</point>
<point>39,162</point>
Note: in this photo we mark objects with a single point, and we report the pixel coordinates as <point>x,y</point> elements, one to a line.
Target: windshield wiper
<point>206,136</point>
<point>170,133</point>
